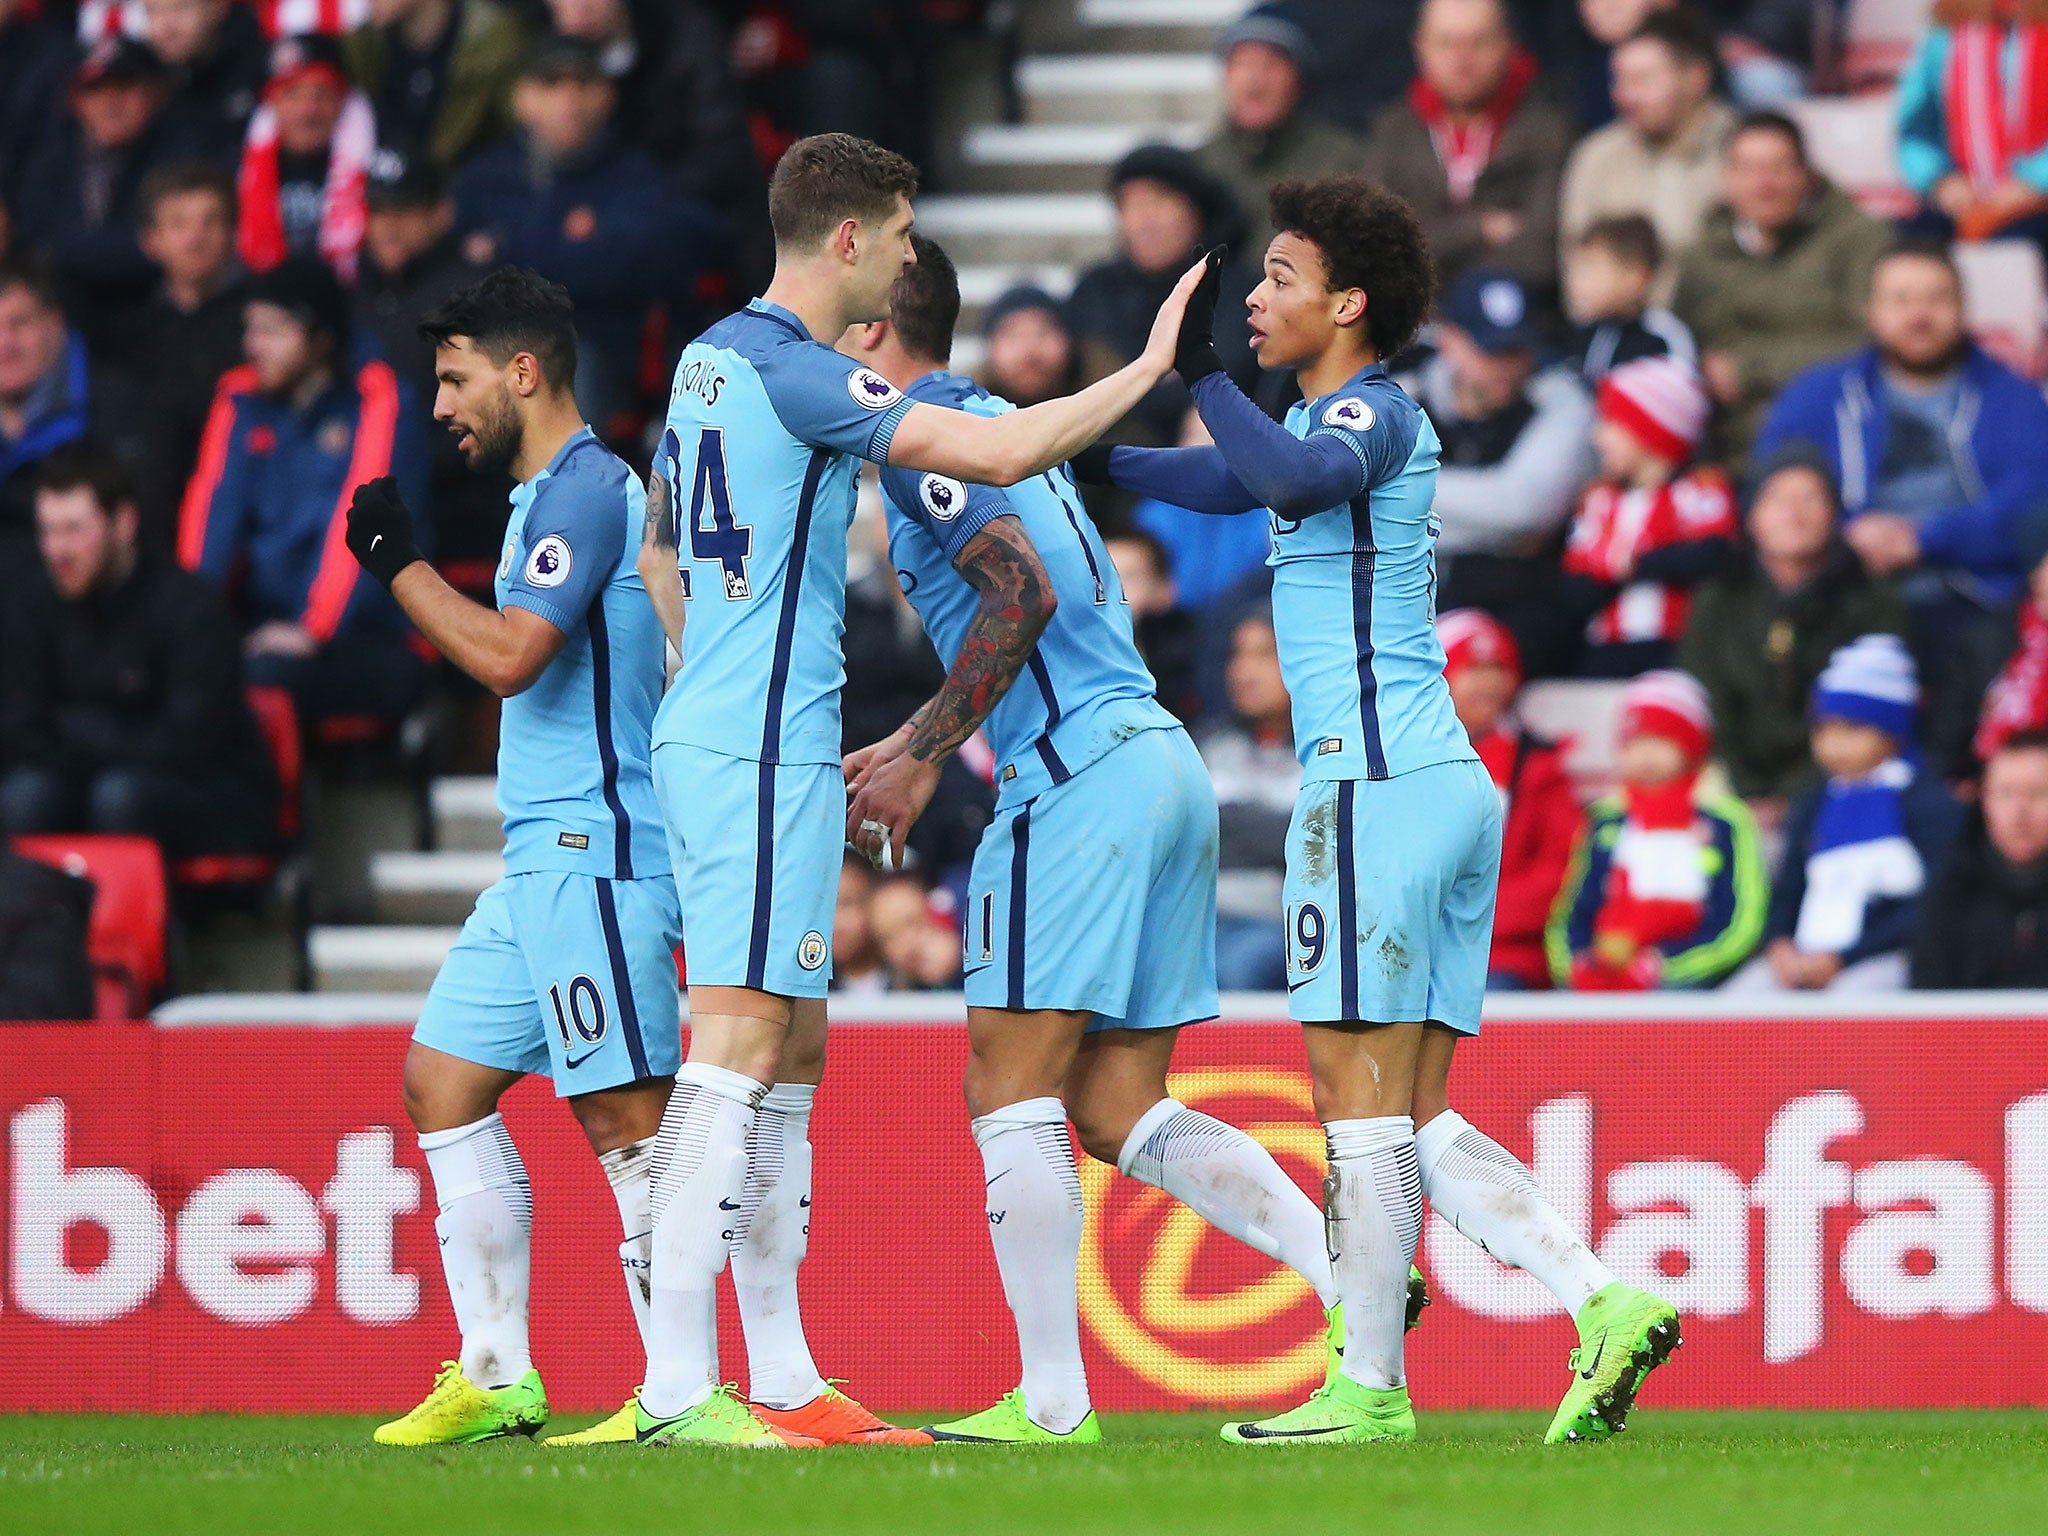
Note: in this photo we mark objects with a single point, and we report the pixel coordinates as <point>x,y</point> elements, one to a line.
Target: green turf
<point>1729,1474</point>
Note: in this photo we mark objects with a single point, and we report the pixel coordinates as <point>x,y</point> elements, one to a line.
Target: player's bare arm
<point>893,780</point>
<point>659,571</point>
<point>1004,449</point>
<point>505,651</point>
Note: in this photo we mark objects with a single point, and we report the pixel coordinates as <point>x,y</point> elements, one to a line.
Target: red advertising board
<point>1850,1212</point>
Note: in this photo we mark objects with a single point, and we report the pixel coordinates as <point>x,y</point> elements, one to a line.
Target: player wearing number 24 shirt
<point>744,557</point>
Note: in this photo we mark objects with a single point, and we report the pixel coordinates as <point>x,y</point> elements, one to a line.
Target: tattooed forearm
<point>1017,602</point>
<point>659,531</point>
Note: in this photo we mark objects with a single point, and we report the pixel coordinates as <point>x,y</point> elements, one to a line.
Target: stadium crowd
<point>1713,433</point>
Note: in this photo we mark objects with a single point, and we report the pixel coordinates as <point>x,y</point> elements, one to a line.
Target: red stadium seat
<point>278,719</point>
<point>126,936</point>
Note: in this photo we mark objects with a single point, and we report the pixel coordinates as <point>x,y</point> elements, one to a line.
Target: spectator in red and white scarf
<point>1484,670</point>
<point>1476,146</point>
<point>1973,119</point>
<point>1654,525</point>
<point>2017,699</point>
<point>305,161</point>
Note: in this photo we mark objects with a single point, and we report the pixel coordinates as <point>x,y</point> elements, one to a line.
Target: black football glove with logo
<point>380,530</point>
<point>1194,350</point>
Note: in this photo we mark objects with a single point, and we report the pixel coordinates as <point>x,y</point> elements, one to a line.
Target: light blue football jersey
<point>1354,596</point>
<point>1087,688</point>
<point>574,782</point>
<point>757,466</point>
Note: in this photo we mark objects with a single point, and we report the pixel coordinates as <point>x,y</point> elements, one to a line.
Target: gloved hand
<point>380,530</point>
<point>1194,350</point>
<point>1091,464</point>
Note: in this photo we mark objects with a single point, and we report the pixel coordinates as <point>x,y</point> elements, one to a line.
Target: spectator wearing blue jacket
<point>290,436</point>
<point>569,198</point>
<point>1940,450</point>
<point>45,387</point>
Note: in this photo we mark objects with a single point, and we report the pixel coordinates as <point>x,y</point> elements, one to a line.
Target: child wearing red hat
<point>1654,525</point>
<point>1484,669</point>
<point>1667,886</point>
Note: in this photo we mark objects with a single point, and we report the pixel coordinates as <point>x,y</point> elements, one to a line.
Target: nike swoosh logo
<point>726,1205</point>
<point>976,971</point>
<point>1587,1373</point>
<point>1253,1432</point>
<point>1296,986</point>
<point>804,1204</point>
<point>991,1182</point>
<point>376,539</point>
<point>571,1063</point>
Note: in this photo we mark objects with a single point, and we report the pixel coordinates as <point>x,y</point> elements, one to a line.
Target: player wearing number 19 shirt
<point>751,498</point>
<point>1393,857</point>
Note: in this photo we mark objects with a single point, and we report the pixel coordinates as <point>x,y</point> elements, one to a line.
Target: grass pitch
<point>1728,1474</point>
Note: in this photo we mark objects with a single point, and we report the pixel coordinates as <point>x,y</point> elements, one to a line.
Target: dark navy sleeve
<point>575,536</point>
<point>830,401</point>
<point>1296,477</point>
<point>951,512</point>
<point>1194,478</point>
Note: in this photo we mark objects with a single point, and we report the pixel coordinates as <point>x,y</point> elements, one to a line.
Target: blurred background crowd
<point>1744,497</point>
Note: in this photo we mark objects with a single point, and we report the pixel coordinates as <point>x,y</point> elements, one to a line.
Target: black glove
<point>380,530</point>
<point>1091,464</point>
<point>1194,350</point>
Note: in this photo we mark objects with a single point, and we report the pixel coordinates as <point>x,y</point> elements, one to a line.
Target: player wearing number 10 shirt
<point>750,499</point>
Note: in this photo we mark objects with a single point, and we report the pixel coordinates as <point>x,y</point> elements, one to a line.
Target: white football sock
<point>629,1168</point>
<point>1034,1220</point>
<point>1231,1182</point>
<point>486,1229</point>
<point>700,1172</point>
<point>1480,1188</point>
<point>775,1229</point>
<point>1373,1203</point>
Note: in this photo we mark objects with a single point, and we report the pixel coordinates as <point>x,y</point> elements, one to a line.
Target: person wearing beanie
<point>305,161</point>
<point>1264,137</point>
<point>1760,633</point>
<point>291,434</point>
<point>1653,525</point>
<point>1030,354</point>
<point>1861,846</point>
<point>1667,887</point>
<point>1483,667</point>
<point>1167,209</point>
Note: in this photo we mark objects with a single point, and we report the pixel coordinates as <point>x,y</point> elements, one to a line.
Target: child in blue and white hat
<point>1862,845</point>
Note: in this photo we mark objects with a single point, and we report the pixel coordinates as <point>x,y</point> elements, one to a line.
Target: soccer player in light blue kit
<point>1091,919</point>
<point>1393,855</point>
<point>752,496</point>
<point>567,964</point>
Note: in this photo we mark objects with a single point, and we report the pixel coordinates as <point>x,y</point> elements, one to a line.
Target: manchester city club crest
<point>810,950</point>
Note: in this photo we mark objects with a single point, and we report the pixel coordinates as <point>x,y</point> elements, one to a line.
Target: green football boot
<point>723,1418</point>
<point>458,1412</point>
<point>1008,1424</point>
<point>1624,1334</point>
<point>1340,1412</point>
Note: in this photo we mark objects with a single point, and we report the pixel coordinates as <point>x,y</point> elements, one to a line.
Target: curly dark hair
<point>1369,239</point>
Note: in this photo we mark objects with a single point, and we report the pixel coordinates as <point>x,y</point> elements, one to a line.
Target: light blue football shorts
<point>1099,894</point>
<point>569,975</point>
<point>1390,891</point>
<point>756,848</point>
